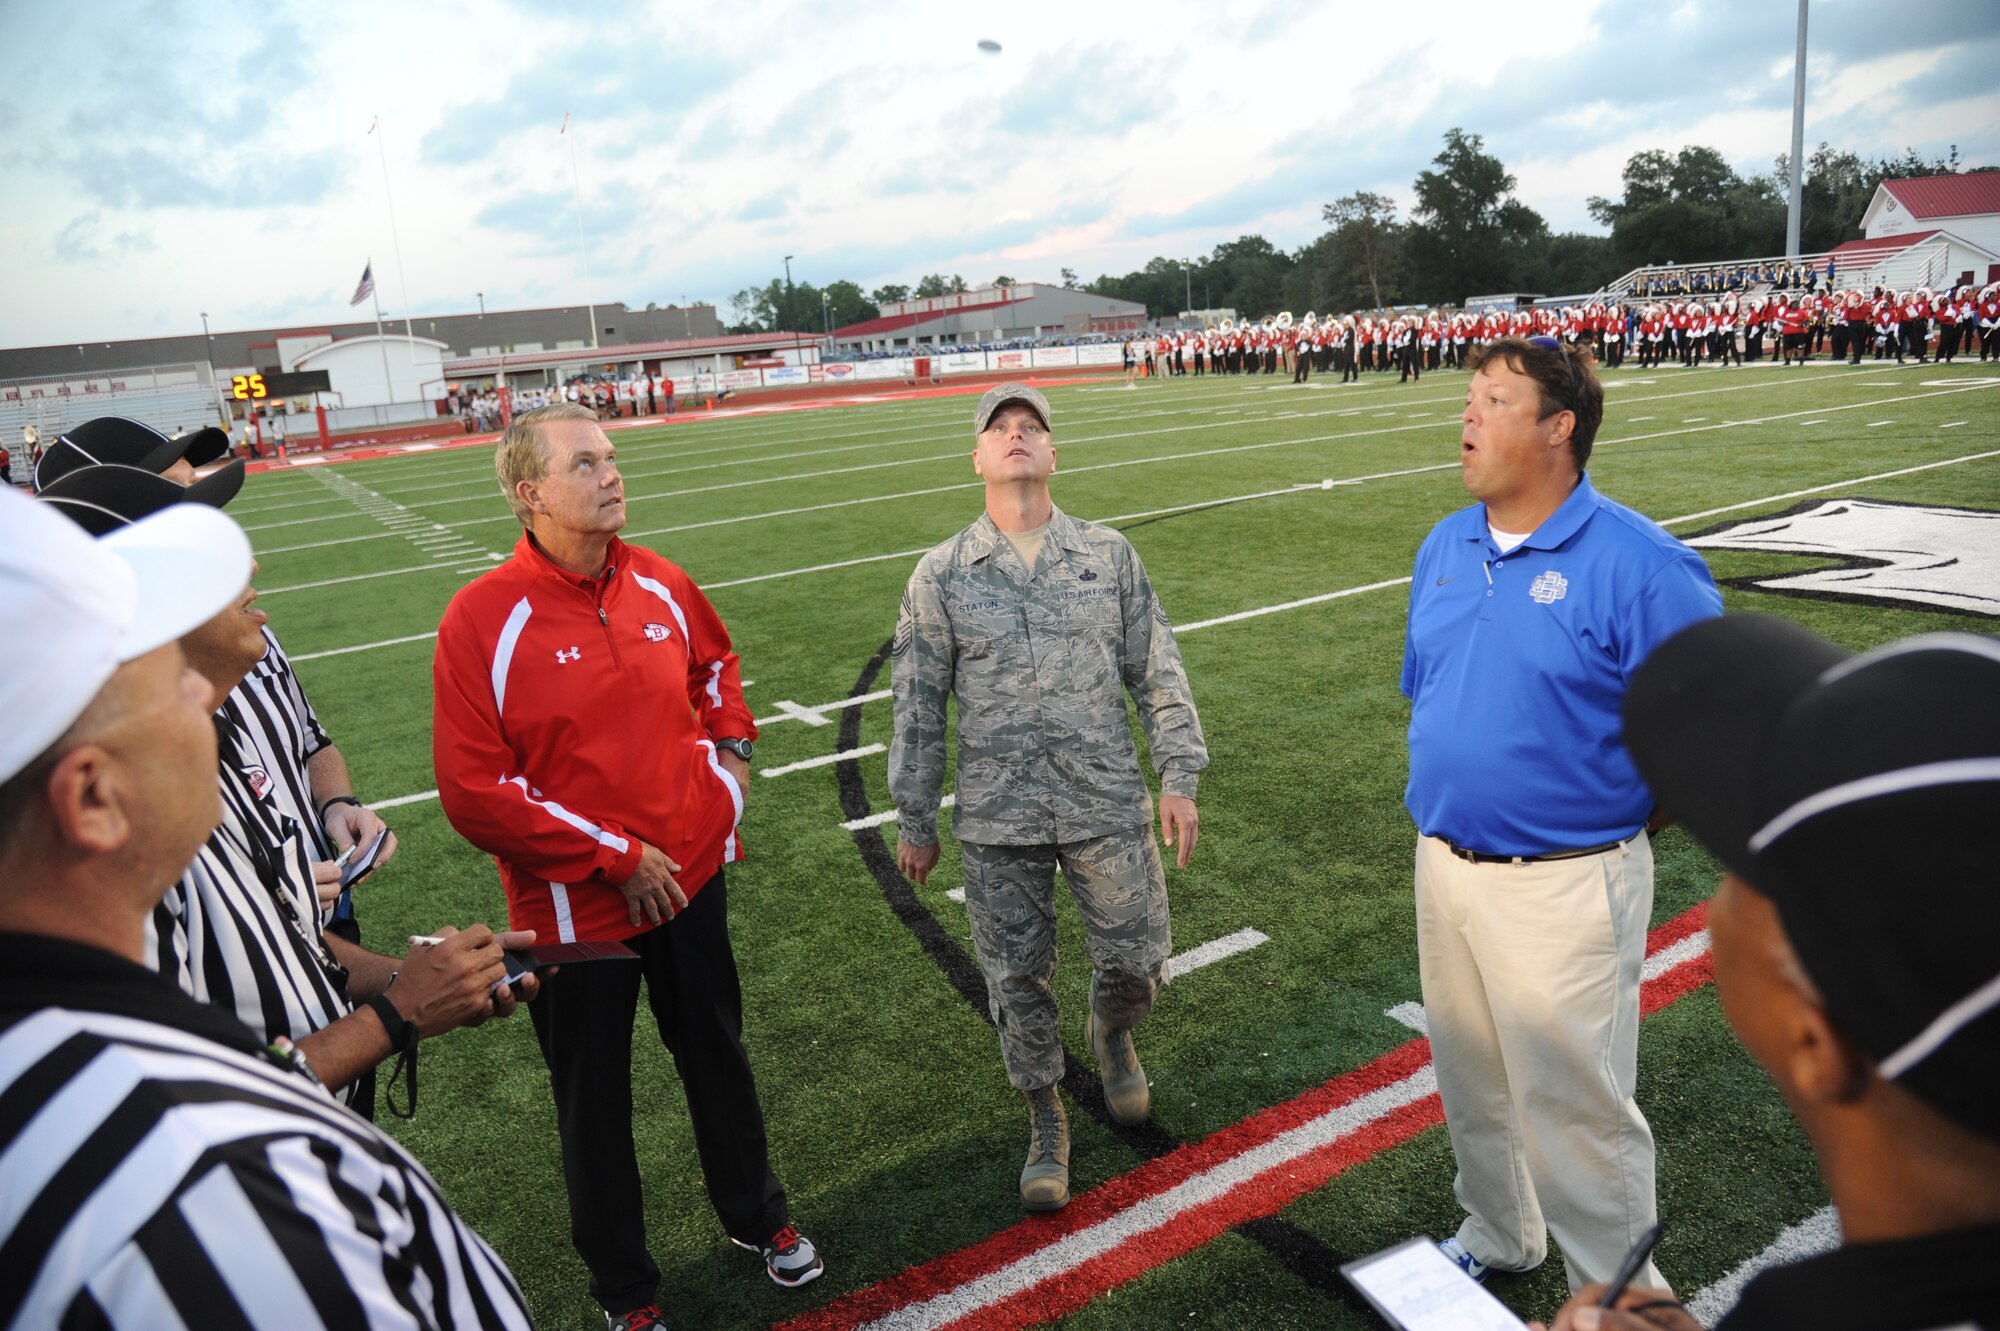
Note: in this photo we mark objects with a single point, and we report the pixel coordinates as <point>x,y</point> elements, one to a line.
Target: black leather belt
<point>1481,857</point>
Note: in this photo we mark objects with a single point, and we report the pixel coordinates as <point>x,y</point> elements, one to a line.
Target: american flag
<point>367,287</point>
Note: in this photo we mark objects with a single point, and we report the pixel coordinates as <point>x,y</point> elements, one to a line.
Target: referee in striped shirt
<point>309,777</point>
<point>160,1164</point>
<point>242,928</point>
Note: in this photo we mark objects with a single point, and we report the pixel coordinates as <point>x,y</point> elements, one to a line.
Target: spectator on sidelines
<point>1854,938</point>
<point>172,1168</point>
<point>1534,876</point>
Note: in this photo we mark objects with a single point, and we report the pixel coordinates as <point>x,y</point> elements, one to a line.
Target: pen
<point>425,940</point>
<point>1630,1266</point>
<point>340,860</point>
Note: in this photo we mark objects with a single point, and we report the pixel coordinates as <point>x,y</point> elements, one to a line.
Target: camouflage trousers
<point>1121,892</point>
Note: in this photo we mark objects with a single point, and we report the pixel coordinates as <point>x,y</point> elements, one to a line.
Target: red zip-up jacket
<point>574,719</point>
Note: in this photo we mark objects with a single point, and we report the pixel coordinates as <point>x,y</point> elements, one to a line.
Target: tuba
<point>1284,321</point>
<point>1308,320</point>
<point>1226,327</point>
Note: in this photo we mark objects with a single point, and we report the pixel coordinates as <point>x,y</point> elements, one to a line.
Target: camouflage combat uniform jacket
<point>1039,663</point>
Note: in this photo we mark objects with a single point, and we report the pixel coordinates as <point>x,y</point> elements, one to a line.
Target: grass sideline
<point>890,1120</point>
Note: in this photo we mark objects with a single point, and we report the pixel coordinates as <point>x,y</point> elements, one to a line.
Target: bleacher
<point>170,398</point>
<point>1924,263</point>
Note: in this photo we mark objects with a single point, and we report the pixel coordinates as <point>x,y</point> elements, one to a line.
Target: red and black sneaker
<point>639,1319</point>
<point>789,1257</point>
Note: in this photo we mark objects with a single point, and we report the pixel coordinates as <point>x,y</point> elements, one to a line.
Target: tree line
<point>1465,235</point>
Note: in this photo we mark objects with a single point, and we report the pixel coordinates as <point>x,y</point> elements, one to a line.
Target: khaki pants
<point>1531,991</point>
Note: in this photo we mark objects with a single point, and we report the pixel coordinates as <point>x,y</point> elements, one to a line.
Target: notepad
<point>1418,1288</point>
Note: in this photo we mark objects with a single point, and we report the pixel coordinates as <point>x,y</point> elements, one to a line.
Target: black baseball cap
<point>103,499</point>
<point>125,442</point>
<point>1859,794</point>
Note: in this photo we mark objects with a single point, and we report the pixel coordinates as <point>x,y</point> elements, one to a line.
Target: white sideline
<point>1817,1233</point>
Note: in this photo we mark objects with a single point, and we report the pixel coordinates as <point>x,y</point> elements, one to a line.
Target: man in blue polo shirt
<point>1529,613</point>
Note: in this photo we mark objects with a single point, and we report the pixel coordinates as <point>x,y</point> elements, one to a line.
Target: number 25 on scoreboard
<point>244,387</point>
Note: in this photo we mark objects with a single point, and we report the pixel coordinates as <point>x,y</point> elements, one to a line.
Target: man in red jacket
<point>590,734</point>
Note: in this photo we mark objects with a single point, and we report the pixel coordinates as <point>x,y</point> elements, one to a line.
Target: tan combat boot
<point>1045,1178</point>
<point>1125,1089</point>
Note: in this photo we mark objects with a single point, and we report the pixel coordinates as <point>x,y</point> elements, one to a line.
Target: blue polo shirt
<point>1516,667</point>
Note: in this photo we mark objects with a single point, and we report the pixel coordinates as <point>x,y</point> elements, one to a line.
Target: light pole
<point>208,338</point>
<point>789,319</point>
<point>1187,274</point>
<point>826,317</point>
<point>482,305</point>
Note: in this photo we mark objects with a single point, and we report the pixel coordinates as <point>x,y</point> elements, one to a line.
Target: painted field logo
<point>1917,556</point>
<point>657,633</point>
<point>1549,588</point>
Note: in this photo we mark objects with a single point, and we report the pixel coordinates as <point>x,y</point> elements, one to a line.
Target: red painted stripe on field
<point>1264,1195</point>
<point>1269,1194</point>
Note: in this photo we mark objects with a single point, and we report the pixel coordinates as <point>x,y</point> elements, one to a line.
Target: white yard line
<point>1215,950</point>
<point>1410,1014</point>
<point>824,759</point>
<point>889,816</point>
<point>816,716</point>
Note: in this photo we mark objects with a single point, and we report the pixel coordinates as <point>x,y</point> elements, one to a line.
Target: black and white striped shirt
<point>159,1170</point>
<point>241,929</point>
<point>271,706</point>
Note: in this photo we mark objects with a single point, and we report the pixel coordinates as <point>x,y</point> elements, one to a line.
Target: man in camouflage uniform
<point>1039,624</point>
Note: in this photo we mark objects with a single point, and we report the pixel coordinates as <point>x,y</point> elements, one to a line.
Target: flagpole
<point>582,255</point>
<point>381,338</point>
<point>395,239</point>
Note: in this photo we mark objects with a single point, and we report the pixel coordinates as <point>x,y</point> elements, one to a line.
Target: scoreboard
<point>259,387</point>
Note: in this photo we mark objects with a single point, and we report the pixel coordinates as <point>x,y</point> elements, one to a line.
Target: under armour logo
<point>565,657</point>
<point>1549,587</point>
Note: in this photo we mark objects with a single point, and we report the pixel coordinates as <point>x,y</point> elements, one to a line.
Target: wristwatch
<point>742,748</point>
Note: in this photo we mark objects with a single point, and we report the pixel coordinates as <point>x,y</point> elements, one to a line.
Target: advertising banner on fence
<point>1099,353</point>
<point>838,372</point>
<point>734,381</point>
<point>1008,360</point>
<point>959,362</point>
<point>1053,356</point>
<point>882,369</point>
<point>786,376</point>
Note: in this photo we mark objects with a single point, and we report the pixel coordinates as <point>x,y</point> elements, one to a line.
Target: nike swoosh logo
<point>1443,581</point>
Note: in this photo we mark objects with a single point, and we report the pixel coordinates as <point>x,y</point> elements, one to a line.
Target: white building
<point>1929,231</point>
<point>370,371</point>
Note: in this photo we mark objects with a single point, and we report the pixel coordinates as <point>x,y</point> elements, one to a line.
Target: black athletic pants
<point>583,1020</point>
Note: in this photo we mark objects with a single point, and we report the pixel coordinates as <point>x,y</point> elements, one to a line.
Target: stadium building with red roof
<point>1949,223</point>
<point>991,314</point>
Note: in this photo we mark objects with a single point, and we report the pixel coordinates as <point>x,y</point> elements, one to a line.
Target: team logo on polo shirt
<point>1549,588</point>
<point>657,633</point>
<point>258,780</point>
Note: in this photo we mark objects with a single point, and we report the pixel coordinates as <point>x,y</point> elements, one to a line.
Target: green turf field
<point>890,1119</point>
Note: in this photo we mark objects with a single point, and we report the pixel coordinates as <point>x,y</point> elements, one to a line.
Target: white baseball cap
<point>79,608</point>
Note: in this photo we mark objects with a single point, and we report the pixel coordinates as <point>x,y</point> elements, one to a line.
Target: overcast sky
<point>169,158</point>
